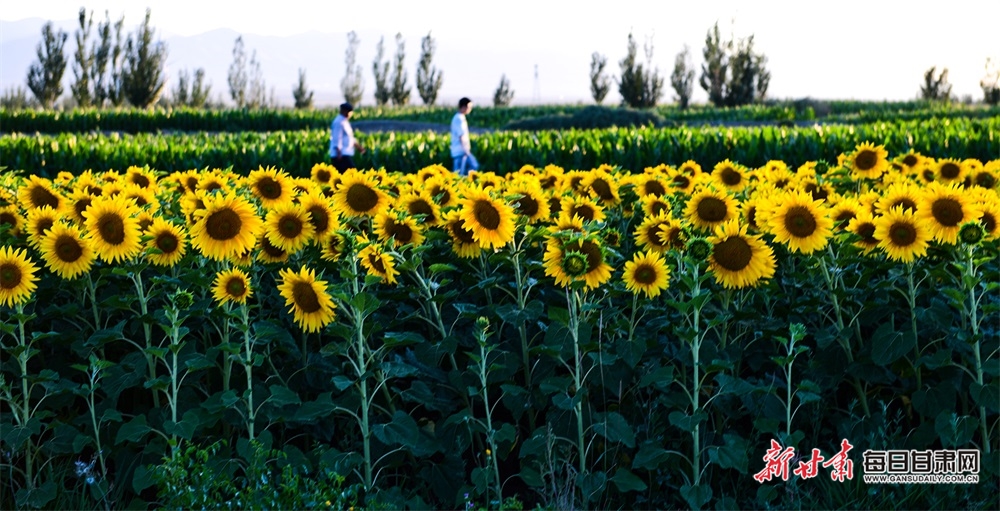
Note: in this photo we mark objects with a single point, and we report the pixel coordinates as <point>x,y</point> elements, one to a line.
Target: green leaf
<point>650,457</point>
<point>281,396</point>
<point>441,267</point>
<point>397,339</point>
<point>696,496</point>
<point>312,410</point>
<point>626,481</point>
<point>133,430</point>
<point>661,377</point>
<point>954,431</point>
<point>986,395</point>
<point>615,428</point>
<point>731,455</point>
<point>684,421</point>
<point>342,382</point>
<point>888,345</point>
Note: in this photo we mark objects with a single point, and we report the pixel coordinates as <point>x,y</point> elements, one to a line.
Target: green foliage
<point>591,117</point>
<point>936,88</point>
<point>733,74</point>
<point>301,93</point>
<point>380,69</point>
<point>682,78</point>
<point>45,75</point>
<point>16,98</point>
<point>503,95</point>
<point>600,83</point>
<point>191,93</point>
<point>238,79</point>
<point>106,72</point>
<point>429,78</point>
<point>143,77</point>
<point>353,83</point>
<point>83,62</point>
<point>399,91</point>
<point>640,85</point>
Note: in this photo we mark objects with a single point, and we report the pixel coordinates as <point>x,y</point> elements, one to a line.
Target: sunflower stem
<point>970,268</point>
<point>22,362</point>
<point>572,298</point>
<point>696,395</point>
<point>147,330</point>
<point>831,286</point>
<point>911,297</point>
<point>248,369</point>
<point>519,280</point>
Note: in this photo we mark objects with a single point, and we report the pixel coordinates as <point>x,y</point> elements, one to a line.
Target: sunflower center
<point>674,237</point>
<point>376,261</point>
<point>574,264</point>
<point>865,160</point>
<point>82,205</point>
<point>781,183</point>
<point>235,287</point>
<point>681,182</point>
<point>593,252</point>
<point>112,229</point>
<point>319,218</point>
<point>191,183</point>
<point>653,187</point>
<point>270,249</point>
<point>42,197</point>
<point>290,226</point>
<point>950,170</point>
<point>817,192</point>
<point>902,234</point>
<point>653,232</point>
<point>43,225</point>
<point>730,177</point>
<point>547,182</point>
<point>733,254</point>
<point>910,160</point>
<point>844,216</point>
<point>305,297</point>
<point>223,225</point>
<point>989,222</point>
<point>711,209</point>
<point>985,179</point>
<point>800,222</point>
<point>657,207</point>
<point>421,207</point>
<point>140,180</point>
<point>461,233</point>
<point>867,233</point>
<point>486,215</point>
<point>441,194</point>
<point>361,198</point>
<point>268,188</point>
<point>584,211</point>
<point>645,274</point>
<point>167,243</point>
<point>10,276</point>
<point>751,213</point>
<point>947,211</point>
<point>323,176</point>
<point>603,189</point>
<point>905,202</point>
<point>400,231</point>
<point>68,249</point>
<point>527,206</point>
<point>144,223</point>
<point>8,218</point>
<point>212,186</point>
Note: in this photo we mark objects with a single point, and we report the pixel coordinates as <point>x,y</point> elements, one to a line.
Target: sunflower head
<point>574,264</point>
<point>971,233</point>
<point>646,273</point>
<point>307,298</point>
<point>232,286</point>
<point>17,277</point>
<point>698,248</point>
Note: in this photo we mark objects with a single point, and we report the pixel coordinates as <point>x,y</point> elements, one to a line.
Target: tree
<point>116,85</point>
<point>652,82</point>
<point>639,88</point>
<point>45,76</point>
<point>238,74</point>
<point>180,94</point>
<point>400,91</point>
<point>381,71</point>
<point>600,83</point>
<point>714,69</point>
<point>106,70</point>
<point>504,94</point>
<point>429,78</point>
<point>191,93</point>
<point>353,84</point>
<point>733,74</point>
<point>83,62</point>
<point>303,96</point>
<point>143,76</point>
<point>936,88</point>
<point>682,78</point>
<point>257,91</point>
<point>991,84</point>
<point>16,98</point>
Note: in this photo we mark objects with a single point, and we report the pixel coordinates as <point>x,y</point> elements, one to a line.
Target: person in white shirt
<point>342,141</point>
<point>461,147</point>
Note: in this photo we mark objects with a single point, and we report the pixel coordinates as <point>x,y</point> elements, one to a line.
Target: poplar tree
<point>429,78</point>
<point>682,79</point>
<point>381,72</point>
<point>45,75</point>
<point>504,94</point>
<point>600,83</point>
<point>400,91</point>
<point>353,84</point>
<point>83,62</point>
<point>237,78</point>
<point>143,76</point>
<point>301,93</point>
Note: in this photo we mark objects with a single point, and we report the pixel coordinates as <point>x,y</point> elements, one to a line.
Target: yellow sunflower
<point>903,195</point>
<point>441,189</point>
<point>227,227</point>
<point>990,220</point>
<point>651,184</point>
<point>863,226</point>
<point>584,207</point>
<point>673,234</point>
<point>647,234</point>
<point>490,220</point>
<point>288,227</point>
<point>271,186</point>
<point>844,211</point>
<point>377,262</point>
<point>949,170</point>
<point>321,215</point>
<point>911,160</point>
<point>323,173</point>
<point>690,168</point>
<point>40,220</point>
<point>739,260</point>
<point>10,217</point>
<point>167,243</point>
<point>17,276</point>
<point>708,208</point>
<point>529,201</point>
<point>944,209</point>
<point>647,272</point>
<point>730,176</point>
<point>269,253</point>
<point>332,245</point>
<point>901,235</point>
<point>65,251</point>
<point>78,202</point>
<point>578,259</point>
<point>421,207</point>
<point>653,205</point>
<point>232,286</point>
<point>800,222</point>
<point>142,177</point>
<point>568,223</point>
<point>399,229</point>
<point>37,192</point>
<point>113,229</point>
<point>868,161</point>
<point>307,299</point>
<point>359,195</point>
<point>144,198</point>
<point>462,242</point>
<point>602,186</point>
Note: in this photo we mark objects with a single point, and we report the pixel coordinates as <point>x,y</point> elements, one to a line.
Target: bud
<point>574,263</point>
<point>699,249</point>
<point>482,323</point>
<point>612,237</point>
<point>971,233</point>
<point>183,299</point>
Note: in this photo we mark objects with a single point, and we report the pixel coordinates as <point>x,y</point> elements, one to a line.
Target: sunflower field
<point>550,337</point>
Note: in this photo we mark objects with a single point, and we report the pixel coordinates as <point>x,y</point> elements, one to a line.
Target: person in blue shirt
<point>461,147</point>
<point>342,141</point>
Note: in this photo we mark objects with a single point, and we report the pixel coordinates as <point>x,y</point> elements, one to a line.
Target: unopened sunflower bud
<point>574,263</point>
<point>971,233</point>
<point>699,248</point>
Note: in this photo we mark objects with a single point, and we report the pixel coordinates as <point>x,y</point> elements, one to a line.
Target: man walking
<point>461,147</point>
<point>342,141</point>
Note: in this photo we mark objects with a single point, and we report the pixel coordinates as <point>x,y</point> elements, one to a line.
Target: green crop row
<point>633,148</point>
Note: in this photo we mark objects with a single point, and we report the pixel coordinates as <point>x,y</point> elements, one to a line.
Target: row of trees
<point>936,86</point>
<point>391,77</point>
<point>733,74</point>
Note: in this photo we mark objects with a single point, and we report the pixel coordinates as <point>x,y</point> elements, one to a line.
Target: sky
<point>849,49</point>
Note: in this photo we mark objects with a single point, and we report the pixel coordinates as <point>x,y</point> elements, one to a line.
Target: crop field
<point>628,317</point>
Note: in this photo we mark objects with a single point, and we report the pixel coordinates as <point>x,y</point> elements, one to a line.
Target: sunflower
<point>323,173</point>
<point>271,186</point>
<point>307,299</point>
<point>322,217</point>
<point>653,205</point>
<point>396,227</point>
<point>167,244</point>
<point>868,161</point>
<point>227,227</point>
<point>800,222</point>
<point>17,276</point>
<point>603,186</point>
<point>985,177</point>
<point>232,286</point>
<point>863,226</point>
<point>462,241</point>
<point>144,198</point>
<point>690,168</point>
<point>269,253</point>
<point>141,177</point>
<point>568,223</point>
<point>40,220</point>
<point>673,234</point>
<point>739,260</point>
<point>213,181</point>
<point>38,192</point>
<point>441,190</point>
<point>990,220</point>
<point>113,229</point>
<point>490,220</point>
<point>647,234</point>
<point>948,170</point>
<point>903,195</point>
<point>359,195</point>
<point>421,207</point>
<point>65,251</point>
<point>730,176</point>
<point>901,235</point>
<point>332,245</point>
<point>911,160</point>
<point>709,208</point>
<point>288,227</point>
<point>584,207</point>
<point>78,202</point>
<point>647,273</point>
<point>845,210</point>
<point>579,259</point>
<point>10,217</point>
<point>944,209</point>
<point>529,201</point>
<point>650,184</point>
<point>377,262</point>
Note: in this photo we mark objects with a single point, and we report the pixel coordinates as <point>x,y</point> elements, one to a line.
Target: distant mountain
<point>466,72</point>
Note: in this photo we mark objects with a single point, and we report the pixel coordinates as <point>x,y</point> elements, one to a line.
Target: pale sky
<point>845,49</point>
